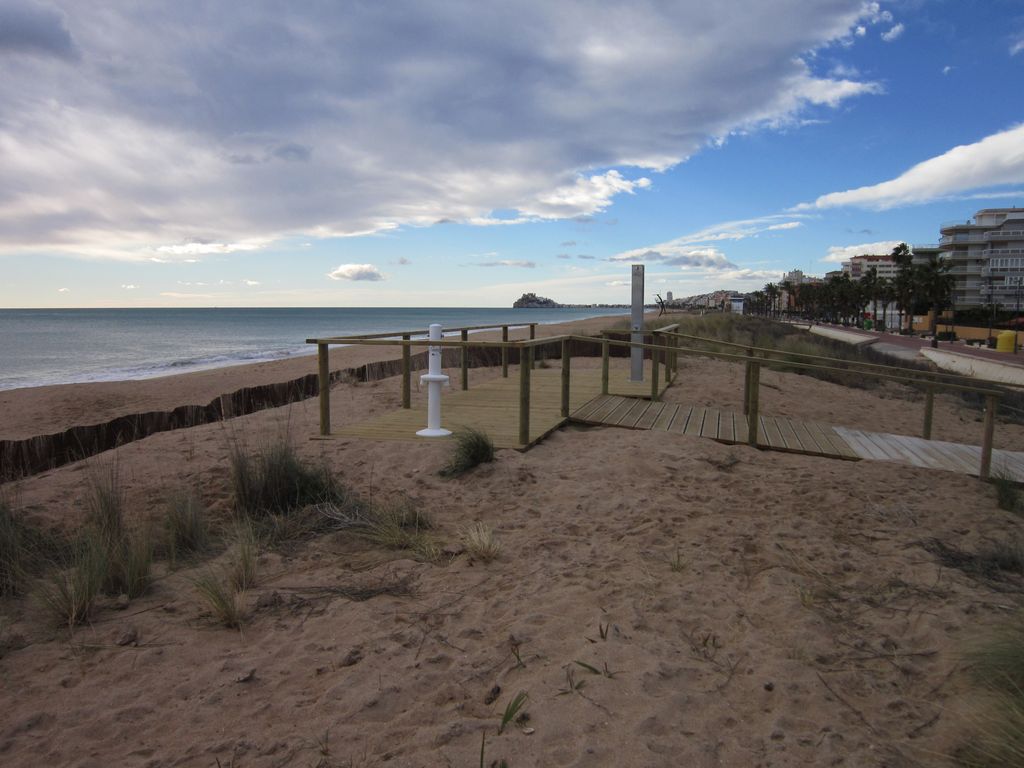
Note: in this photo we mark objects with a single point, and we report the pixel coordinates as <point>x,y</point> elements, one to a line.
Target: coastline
<point>32,411</point>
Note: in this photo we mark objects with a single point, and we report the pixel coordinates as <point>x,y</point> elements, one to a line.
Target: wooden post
<point>991,404</point>
<point>406,372</point>
<point>654,368</point>
<point>666,359</point>
<point>604,366</point>
<point>533,335</point>
<point>566,363</point>
<point>525,359</point>
<point>465,360</point>
<point>746,383</point>
<point>504,353</point>
<point>324,382</point>
<point>752,414</point>
<point>929,409</point>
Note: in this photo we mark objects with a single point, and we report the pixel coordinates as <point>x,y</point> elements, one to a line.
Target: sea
<point>40,347</point>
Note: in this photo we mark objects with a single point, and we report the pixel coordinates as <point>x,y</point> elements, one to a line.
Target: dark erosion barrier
<point>30,456</point>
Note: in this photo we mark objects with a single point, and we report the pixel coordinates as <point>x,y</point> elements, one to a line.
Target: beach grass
<point>275,480</point>
<point>220,597</point>
<point>186,527</point>
<point>997,665</point>
<point>25,550</point>
<point>478,539</point>
<point>69,593</point>
<point>471,448</point>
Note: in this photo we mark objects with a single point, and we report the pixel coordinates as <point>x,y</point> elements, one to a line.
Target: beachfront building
<point>986,256</point>
<point>858,266</point>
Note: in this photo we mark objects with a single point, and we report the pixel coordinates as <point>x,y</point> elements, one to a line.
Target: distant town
<point>972,279</point>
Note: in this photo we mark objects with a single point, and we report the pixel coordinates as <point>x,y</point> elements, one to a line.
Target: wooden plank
<point>590,407</point>
<point>881,442</point>
<point>601,413</point>
<point>668,415</point>
<point>727,426</point>
<point>865,448</point>
<point>740,423</point>
<point>807,440</point>
<point>650,416</point>
<point>789,437</point>
<point>710,426</point>
<point>914,452</point>
<point>839,445</point>
<point>695,422</point>
<point>682,417</point>
<point>821,440</point>
<point>632,416</point>
<point>619,411</point>
<point>770,430</point>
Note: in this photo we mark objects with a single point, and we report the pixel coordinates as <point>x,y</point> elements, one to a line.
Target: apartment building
<point>986,255</point>
<point>858,266</point>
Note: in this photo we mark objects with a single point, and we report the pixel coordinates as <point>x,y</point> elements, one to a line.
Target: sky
<point>456,153</point>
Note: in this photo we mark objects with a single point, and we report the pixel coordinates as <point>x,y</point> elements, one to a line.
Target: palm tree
<point>886,295</point>
<point>936,286</point>
<point>869,291</point>
<point>904,283</point>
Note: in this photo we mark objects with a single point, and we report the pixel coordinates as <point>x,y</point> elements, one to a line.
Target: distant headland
<point>533,301</point>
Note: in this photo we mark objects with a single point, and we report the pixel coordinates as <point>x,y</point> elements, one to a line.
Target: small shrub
<point>479,541</point>
<point>275,481</point>
<point>186,530</point>
<point>220,598</point>
<point>104,505</point>
<point>245,551</point>
<point>133,568</point>
<point>472,447</point>
<point>399,525</point>
<point>998,666</point>
<point>69,594</point>
<point>24,550</point>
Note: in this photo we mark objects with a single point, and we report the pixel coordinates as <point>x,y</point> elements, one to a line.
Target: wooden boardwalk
<point>493,406</point>
<point>775,432</point>
<point>793,436</point>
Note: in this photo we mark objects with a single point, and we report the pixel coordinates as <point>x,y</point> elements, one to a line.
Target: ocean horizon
<point>42,347</point>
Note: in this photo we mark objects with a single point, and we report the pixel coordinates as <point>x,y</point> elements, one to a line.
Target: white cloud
<point>1017,47</point>
<point>339,121</point>
<point>63,290</point>
<point>994,161</point>
<point>748,274</point>
<point>506,263</point>
<point>356,272</point>
<point>893,33</point>
<point>129,287</point>
<point>841,253</point>
<point>251,283</point>
<point>947,69</point>
<point>683,246</point>
<point>201,248</point>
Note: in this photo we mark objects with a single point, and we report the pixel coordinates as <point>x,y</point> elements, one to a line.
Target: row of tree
<point>839,299</point>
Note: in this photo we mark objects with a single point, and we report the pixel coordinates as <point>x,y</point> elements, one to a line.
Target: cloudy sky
<point>450,153</point>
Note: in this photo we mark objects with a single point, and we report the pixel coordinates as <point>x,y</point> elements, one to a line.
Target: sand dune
<point>740,607</point>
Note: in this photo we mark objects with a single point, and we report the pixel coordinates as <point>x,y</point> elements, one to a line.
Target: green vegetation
<point>186,529</point>
<point>69,593</point>
<point>220,598</point>
<point>275,481</point>
<point>998,667</point>
<point>24,551</point>
<point>472,448</point>
<point>127,555</point>
<point>513,710</point>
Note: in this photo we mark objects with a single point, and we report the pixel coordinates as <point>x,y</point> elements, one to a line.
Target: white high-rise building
<point>986,256</point>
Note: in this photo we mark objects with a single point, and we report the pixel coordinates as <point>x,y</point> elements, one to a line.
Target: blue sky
<point>450,153</point>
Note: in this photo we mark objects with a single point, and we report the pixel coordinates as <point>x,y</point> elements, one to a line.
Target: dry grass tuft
<point>186,528</point>
<point>998,666</point>
<point>24,551</point>
<point>223,601</point>
<point>69,594</point>
<point>480,544</point>
<point>274,480</point>
<point>244,554</point>
<point>472,448</point>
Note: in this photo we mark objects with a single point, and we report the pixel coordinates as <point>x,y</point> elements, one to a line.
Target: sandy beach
<point>661,600</point>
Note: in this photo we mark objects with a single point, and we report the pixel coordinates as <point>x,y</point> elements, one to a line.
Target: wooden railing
<point>664,352</point>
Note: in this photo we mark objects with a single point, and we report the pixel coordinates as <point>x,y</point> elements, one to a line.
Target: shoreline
<point>30,412</point>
